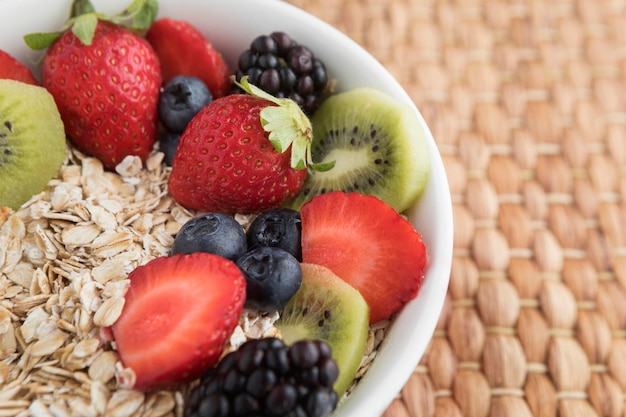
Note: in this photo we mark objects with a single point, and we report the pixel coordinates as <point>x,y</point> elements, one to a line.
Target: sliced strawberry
<point>179,312</point>
<point>183,50</point>
<point>11,68</point>
<point>368,244</point>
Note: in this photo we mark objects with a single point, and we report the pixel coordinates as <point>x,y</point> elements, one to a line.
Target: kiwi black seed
<point>327,308</point>
<point>378,144</point>
<point>32,141</point>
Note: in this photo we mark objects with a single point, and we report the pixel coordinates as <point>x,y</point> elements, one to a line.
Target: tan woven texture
<point>526,101</point>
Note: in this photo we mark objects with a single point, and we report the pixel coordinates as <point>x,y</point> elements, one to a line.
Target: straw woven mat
<point>526,101</point>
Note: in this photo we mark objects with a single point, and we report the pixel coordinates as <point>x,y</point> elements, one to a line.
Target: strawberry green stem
<point>81,7</point>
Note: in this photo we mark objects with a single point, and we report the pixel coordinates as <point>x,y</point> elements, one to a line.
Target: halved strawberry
<point>183,50</point>
<point>12,69</point>
<point>179,312</point>
<point>368,244</point>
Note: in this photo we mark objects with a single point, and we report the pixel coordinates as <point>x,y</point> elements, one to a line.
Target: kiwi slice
<point>378,145</point>
<point>327,308</point>
<point>32,141</point>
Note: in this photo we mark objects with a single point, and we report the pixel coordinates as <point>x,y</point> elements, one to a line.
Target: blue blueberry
<point>168,142</point>
<point>181,99</point>
<point>215,233</point>
<point>280,227</point>
<point>272,275</point>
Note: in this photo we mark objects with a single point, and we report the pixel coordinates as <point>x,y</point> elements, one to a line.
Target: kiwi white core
<point>347,162</point>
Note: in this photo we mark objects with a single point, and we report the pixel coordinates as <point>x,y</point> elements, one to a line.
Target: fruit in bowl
<point>75,249</point>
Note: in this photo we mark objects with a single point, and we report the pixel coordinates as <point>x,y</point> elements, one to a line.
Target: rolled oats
<point>11,408</point>
<point>8,343</point>
<point>100,396</point>
<point>64,265</point>
<point>22,274</point>
<point>124,402</point>
<point>102,369</point>
<point>80,235</point>
<point>48,344</point>
<point>109,312</point>
<point>38,409</point>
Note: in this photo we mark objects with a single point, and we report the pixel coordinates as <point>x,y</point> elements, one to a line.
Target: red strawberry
<point>183,50</point>
<point>242,154</point>
<point>366,243</point>
<point>13,69</point>
<point>179,312</point>
<point>105,83</point>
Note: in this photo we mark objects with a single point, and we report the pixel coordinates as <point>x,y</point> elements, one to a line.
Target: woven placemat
<point>526,102</point>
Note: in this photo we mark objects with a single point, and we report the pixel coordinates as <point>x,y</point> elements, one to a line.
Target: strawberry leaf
<point>39,41</point>
<point>84,27</point>
<point>138,16</point>
<point>287,126</point>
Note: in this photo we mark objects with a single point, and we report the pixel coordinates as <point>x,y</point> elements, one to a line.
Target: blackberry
<point>265,377</point>
<point>280,66</point>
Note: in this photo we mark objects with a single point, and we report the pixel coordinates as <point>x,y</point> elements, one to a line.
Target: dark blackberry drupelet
<point>280,66</point>
<point>265,377</point>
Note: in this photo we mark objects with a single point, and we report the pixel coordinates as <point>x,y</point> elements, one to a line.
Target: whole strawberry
<point>105,80</point>
<point>242,153</point>
<point>12,69</point>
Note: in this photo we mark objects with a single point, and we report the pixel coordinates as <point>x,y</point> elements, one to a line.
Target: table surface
<point>526,103</point>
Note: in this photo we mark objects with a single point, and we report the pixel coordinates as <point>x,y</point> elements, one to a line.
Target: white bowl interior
<point>231,26</point>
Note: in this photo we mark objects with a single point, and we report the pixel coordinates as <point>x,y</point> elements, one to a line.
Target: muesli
<point>63,273</point>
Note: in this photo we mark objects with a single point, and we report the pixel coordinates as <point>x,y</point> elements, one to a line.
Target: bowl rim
<point>398,359</point>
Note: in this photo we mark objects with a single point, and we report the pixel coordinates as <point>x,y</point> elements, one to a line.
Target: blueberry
<point>168,142</point>
<point>272,275</point>
<point>280,227</point>
<point>181,98</point>
<point>215,233</point>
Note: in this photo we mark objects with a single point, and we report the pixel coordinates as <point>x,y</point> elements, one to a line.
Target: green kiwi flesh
<point>378,145</point>
<point>32,141</point>
<point>326,307</point>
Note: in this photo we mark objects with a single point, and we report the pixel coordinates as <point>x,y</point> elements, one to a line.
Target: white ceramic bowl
<point>231,26</point>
